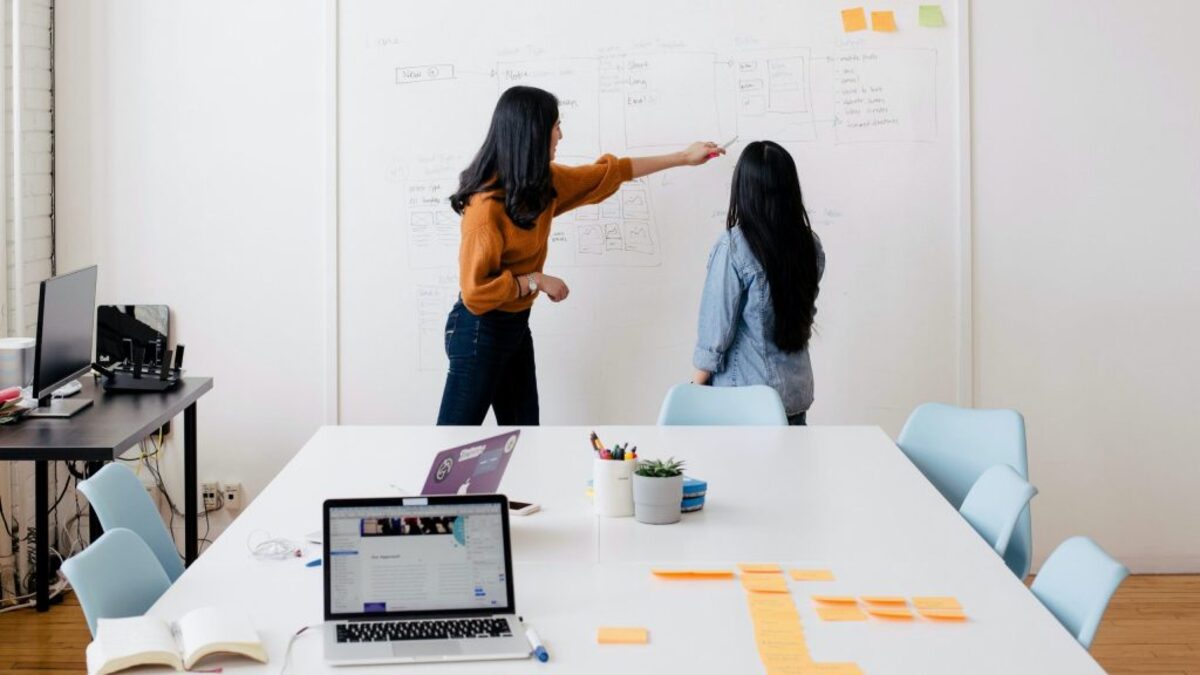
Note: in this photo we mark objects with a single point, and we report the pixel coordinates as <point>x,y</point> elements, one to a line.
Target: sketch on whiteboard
<point>885,95</point>
<point>618,232</point>
<point>433,228</point>
<point>655,88</point>
<point>773,98</point>
<point>429,73</point>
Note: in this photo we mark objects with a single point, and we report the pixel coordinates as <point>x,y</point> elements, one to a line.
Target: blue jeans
<point>491,365</point>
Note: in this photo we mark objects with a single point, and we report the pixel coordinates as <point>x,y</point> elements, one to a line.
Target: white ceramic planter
<point>657,500</point>
<point>612,493</point>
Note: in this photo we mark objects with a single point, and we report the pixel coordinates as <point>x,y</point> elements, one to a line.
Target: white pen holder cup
<point>612,487</point>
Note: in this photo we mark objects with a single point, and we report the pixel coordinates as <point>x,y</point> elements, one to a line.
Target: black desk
<point>102,432</point>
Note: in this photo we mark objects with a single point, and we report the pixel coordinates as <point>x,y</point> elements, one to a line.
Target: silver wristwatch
<point>533,287</point>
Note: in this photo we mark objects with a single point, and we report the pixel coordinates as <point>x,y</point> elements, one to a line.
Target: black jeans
<point>491,365</point>
<point>799,419</point>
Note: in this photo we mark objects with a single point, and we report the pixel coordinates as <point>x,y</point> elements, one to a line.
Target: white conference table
<point>841,498</point>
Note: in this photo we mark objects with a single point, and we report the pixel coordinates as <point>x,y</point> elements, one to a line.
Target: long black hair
<point>515,156</point>
<point>766,204</point>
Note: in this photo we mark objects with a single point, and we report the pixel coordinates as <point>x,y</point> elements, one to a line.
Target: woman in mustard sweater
<point>507,198</point>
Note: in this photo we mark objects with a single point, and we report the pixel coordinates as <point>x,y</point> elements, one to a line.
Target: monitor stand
<point>59,407</point>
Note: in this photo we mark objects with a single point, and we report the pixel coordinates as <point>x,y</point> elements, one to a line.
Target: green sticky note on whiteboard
<point>931,16</point>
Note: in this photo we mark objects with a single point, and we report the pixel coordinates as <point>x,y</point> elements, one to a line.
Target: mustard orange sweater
<point>494,251</point>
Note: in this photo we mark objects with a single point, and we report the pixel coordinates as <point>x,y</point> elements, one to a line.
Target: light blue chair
<point>697,405</point>
<point>953,446</point>
<point>117,576</point>
<point>995,503</point>
<point>119,500</point>
<point>1076,583</point>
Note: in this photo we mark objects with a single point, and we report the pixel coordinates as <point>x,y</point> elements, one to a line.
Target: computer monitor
<point>66,317</point>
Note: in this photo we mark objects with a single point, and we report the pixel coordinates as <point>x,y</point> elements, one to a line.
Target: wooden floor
<point>1152,626</point>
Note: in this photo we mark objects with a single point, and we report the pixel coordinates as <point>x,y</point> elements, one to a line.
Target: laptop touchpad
<point>425,649</point>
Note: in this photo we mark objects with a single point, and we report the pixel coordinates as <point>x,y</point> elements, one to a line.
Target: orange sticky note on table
<point>835,599</point>
<point>883,22</point>
<point>943,614</point>
<point>764,583</point>
<point>854,19</point>
<point>841,613</point>
<point>760,568</point>
<point>622,636</point>
<point>935,602</point>
<point>812,575</point>
<point>693,574</point>
<point>890,612</point>
<point>884,600</point>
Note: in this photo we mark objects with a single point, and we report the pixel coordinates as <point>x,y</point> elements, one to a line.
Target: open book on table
<point>146,640</point>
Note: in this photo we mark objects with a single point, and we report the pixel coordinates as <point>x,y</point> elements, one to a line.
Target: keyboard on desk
<point>425,629</point>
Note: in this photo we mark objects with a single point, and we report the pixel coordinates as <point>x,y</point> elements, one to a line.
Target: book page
<point>122,643</point>
<point>209,630</point>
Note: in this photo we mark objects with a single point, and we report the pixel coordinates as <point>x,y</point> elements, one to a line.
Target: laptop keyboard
<point>427,629</point>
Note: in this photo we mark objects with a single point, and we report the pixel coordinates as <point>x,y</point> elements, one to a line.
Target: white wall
<point>192,169</point>
<point>1087,237</point>
<point>196,130</point>
<point>36,157</point>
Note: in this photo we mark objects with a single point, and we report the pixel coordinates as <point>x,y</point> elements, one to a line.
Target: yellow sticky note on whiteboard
<point>622,636</point>
<point>883,22</point>
<point>854,19</point>
<point>930,16</point>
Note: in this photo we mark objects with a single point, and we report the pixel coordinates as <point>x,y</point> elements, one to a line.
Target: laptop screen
<point>417,558</point>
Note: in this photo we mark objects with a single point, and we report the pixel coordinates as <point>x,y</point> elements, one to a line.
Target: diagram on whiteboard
<point>618,232</point>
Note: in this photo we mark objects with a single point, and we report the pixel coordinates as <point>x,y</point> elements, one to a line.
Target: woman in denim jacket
<point>756,313</point>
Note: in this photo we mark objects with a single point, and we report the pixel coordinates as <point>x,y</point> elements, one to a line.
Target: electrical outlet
<point>210,493</point>
<point>232,494</point>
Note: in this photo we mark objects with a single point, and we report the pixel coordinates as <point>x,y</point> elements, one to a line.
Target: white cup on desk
<point>612,487</point>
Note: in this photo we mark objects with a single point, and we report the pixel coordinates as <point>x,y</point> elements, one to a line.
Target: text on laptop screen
<point>416,558</point>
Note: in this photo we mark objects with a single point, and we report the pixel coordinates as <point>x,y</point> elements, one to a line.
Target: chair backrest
<point>995,503</point>
<point>953,446</point>
<point>119,500</point>
<point>695,405</point>
<point>117,576</point>
<point>1076,583</point>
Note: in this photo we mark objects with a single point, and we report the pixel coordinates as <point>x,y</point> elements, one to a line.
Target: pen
<point>538,650</point>
<point>723,147</point>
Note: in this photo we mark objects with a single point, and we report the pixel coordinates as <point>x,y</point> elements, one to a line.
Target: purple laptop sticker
<point>474,468</point>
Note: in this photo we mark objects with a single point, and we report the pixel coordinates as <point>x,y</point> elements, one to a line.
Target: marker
<point>538,650</point>
<point>316,562</point>
<point>723,147</point>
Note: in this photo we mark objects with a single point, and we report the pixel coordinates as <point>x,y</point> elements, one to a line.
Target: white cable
<point>273,548</point>
<point>287,653</point>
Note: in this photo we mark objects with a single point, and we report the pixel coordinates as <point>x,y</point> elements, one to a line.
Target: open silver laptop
<point>411,579</point>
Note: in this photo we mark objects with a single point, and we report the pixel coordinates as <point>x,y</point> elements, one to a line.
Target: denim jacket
<point>737,324</point>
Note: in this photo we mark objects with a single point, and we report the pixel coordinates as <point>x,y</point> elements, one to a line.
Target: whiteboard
<point>872,119</point>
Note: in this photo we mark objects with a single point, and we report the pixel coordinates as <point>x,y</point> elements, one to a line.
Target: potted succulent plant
<point>658,491</point>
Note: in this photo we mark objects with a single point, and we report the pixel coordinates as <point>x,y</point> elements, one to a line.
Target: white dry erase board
<point>875,122</point>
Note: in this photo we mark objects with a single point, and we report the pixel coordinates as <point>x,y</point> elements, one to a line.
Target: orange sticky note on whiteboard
<point>935,602</point>
<point>764,583</point>
<point>854,19</point>
<point>883,22</point>
<point>693,574</point>
<point>943,614</point>
<point>835,599</point>
<point>884,600</point>
<point>890,612</point>
<point>622,636</point>
<point>812,575</point>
